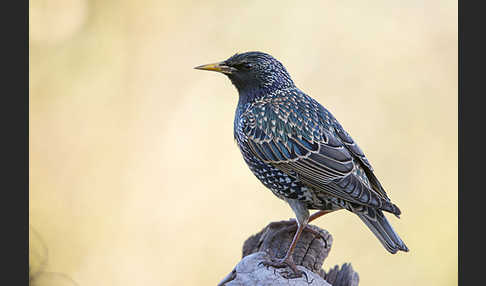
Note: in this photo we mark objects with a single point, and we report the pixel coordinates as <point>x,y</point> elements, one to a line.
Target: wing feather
<point>328,161</point>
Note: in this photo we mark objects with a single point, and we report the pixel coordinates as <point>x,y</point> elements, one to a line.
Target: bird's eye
<point>244,66</point>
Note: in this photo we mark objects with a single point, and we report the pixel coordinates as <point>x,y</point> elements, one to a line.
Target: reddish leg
<point>313,217</point>
<point>287,260</point>
<point>318,214</point>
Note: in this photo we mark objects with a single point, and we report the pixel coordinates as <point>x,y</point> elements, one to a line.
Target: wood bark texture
<point>309,255</point>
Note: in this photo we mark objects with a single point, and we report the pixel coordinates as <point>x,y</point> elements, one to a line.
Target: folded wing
<point>322,155</point>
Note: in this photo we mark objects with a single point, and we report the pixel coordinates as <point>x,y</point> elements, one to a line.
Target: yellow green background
<point>135,178</point>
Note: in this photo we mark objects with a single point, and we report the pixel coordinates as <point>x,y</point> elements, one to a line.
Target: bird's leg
<point>302,217</point>
<point>287,260</point>
<point>319,214</point>
<point>313,217</point>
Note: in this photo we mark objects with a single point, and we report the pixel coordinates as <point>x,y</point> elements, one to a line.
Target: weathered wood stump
<point>309,255</point>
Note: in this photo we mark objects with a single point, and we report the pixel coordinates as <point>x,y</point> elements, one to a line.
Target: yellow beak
<point>218,67</point>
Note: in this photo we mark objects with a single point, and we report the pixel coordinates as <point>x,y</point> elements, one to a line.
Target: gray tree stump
<point>309,255</point>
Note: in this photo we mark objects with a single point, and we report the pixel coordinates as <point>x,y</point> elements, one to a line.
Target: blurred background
<point>134,175</point>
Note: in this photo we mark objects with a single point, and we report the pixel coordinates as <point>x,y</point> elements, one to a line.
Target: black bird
<point>298,150</point>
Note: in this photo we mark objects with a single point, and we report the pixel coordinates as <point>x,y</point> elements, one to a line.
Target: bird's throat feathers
<point>251,91</point>
<point>249,94</point>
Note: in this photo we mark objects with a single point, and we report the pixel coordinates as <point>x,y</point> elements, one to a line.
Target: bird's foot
<point>284,263</point>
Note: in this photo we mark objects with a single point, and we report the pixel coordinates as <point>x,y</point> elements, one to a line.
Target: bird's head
<point>253,73</point>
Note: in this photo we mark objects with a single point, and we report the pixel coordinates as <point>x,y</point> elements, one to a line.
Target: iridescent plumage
<point>299,151</point>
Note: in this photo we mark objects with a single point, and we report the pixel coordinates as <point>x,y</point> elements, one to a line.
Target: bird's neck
<point>251,94</point>
<point>248,95</point>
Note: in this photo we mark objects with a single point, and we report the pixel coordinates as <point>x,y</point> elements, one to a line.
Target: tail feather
<point>382,229</point>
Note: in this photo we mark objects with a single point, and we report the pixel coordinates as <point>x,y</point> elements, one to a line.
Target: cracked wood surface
<point>309,255</point>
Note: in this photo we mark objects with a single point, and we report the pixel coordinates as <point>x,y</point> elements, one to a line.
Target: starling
<point>299,151</point>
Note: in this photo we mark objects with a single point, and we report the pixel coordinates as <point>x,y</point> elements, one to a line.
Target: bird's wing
<point>300,143</point>
<point>353,147</point>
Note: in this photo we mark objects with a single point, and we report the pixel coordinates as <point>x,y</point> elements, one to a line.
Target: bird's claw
<point>293,275</point>
<point>283,263</point>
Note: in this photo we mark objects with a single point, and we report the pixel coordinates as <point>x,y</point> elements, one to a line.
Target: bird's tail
<point>382,229</point>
